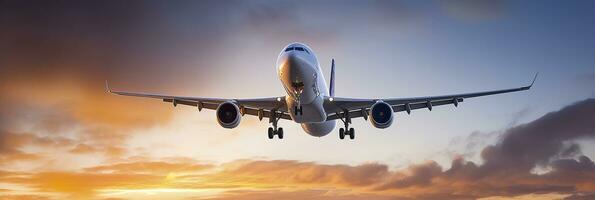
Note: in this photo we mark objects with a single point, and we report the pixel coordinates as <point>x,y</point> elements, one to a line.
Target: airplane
<point>309,102</point>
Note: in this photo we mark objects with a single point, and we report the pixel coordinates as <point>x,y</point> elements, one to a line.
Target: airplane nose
<point>294,72</point>
<point>297,67</point>
<point>292,57</point>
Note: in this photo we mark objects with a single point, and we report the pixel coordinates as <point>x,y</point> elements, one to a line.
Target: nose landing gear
<point>346,121</point>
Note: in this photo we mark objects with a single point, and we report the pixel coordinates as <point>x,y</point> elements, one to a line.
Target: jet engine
<point>228,115</point>
<point>381,115</point>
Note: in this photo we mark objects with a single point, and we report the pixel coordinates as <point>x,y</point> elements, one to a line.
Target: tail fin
<point>332,84</point>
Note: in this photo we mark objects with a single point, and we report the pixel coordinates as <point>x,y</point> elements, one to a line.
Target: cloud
<point>11,145</point>
<point>415,175</point>
<point>507,170</point>
<point>295,195</point>
<point>527,145</point>
<point>45,116</point>
<point>150,167</point>
<point>290,172</point>
<point>25,197</point>
<point>580,197</point>
<point>85,184</point>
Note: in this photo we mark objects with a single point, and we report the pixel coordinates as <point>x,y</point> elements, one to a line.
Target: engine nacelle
<point>228,115</point>
<point>381,115</point>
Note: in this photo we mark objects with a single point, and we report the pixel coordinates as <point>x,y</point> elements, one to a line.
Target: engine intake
<point>228,115</point>
<point>381,115</point>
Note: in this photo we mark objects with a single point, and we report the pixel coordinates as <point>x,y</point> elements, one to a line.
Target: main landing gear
<point>346,121</point>
<point>274,130</point>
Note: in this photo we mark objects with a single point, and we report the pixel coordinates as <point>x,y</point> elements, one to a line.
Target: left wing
<point>261,107</point>
<point>336,106</point>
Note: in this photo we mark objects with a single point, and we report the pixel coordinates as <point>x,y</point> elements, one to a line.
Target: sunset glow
<point>63,137</point>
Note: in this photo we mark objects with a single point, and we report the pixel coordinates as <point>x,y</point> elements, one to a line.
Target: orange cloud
<point>150,167</point>
<point>24,197</point>
<point>45,112</point>
<point>12,143</point>
<point>85,184</point>
<point>84,101</point>
<point>257,179</point>
<point>82,149</point>
<point>288,173</point>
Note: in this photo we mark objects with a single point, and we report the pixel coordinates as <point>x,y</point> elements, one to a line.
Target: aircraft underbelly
<point>312,112</point>
<point>319,129</point>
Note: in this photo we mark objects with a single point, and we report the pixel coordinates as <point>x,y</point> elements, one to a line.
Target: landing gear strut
<point>297,110</point>
<point>346,121</point>
<point>274,130</point>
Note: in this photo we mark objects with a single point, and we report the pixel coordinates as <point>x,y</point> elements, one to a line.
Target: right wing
<point>335,106</point>
<point>261,107</point>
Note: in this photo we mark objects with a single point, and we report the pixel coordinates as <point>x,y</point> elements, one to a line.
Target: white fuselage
<point>302,78</point>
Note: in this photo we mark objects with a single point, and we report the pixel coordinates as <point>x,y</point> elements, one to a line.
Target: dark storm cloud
<point>507,168</point>
<point>524,146</point>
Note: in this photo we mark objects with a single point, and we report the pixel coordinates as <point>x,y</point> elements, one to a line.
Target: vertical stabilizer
<point>332,84</point>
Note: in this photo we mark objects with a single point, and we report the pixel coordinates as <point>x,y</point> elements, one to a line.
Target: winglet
<point>107,89</point>
<point>534,78</point>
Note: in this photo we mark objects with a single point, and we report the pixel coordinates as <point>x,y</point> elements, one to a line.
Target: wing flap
<point>399,108</point>
<point>420,105</point>
<point>359,107</point>
<point>264,106</point>
<point>207,105</point>
<point>248,111</point>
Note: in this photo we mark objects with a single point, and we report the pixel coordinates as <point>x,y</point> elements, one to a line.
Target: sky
<point>63,137</point>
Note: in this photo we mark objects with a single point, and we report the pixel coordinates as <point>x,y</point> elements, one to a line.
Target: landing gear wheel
<point>346,121</point>
<point>280,133</point>
<point>271,133</point>
<point>273,119</point>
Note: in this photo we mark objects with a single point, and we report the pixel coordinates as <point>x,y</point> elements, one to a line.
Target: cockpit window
<point>297,49</point>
